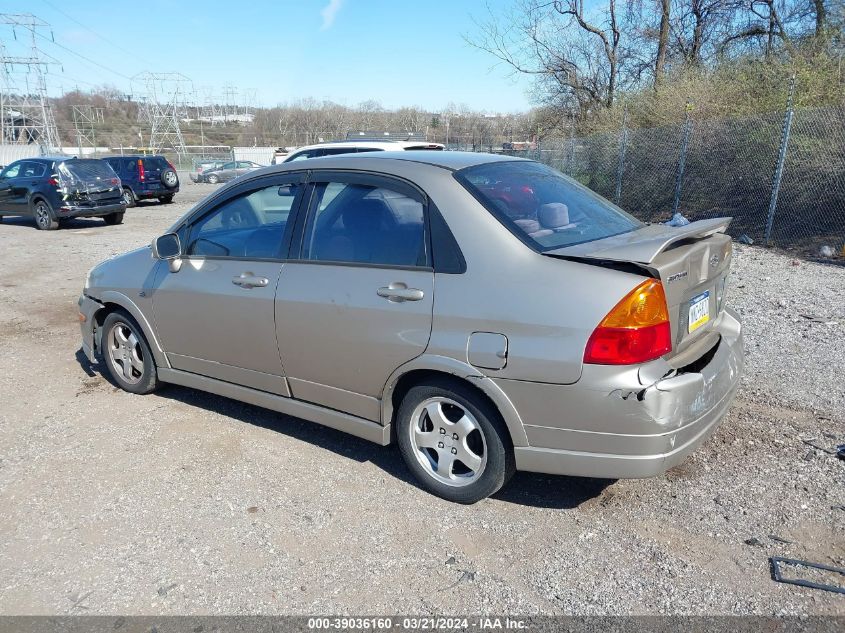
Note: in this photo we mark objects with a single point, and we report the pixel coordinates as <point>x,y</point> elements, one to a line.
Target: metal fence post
<point>570,149</point>
<point>682,159</point>
<point>620,167</point>
<point>784,142</point>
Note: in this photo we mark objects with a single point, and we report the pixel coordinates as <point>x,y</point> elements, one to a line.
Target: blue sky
<point>398,52</point>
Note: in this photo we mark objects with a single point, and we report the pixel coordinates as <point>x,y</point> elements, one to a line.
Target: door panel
<point>205,320</point>
<point>215,315</point>
<point>340,340</point>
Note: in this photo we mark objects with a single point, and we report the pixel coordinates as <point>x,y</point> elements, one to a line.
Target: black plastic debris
<point>777,574</point>
<point>840,451</point>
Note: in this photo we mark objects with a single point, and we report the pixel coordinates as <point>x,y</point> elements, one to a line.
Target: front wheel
<point>454,441</point>
<point>128,197</point>
<point>213,179</point>
<point>44,218</point>
<point>113,218</point>
<point>127,355</point>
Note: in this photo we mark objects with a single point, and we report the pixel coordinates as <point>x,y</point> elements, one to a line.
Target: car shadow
<point>528,489</point>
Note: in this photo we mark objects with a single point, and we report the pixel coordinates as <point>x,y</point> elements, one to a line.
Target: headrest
<point>553,215</point>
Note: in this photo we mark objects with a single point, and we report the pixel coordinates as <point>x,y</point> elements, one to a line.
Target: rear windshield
<point>87,170</point>
<point>155,162</point>
<point>542,207</point>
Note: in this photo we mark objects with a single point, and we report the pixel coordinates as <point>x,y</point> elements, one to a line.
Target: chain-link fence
<point>780,175</point>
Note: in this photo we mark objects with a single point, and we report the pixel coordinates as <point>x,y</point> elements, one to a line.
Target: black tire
<point>499,464</point>
<point>114,218</point>
<point>129,197</point>
<point>212,179</point>
<point>166,199</point>
<point>169,178</point>
<point>146,380</point>
<point>45,219</point>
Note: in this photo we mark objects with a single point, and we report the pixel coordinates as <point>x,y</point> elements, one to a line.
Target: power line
<point>81,56</point>
<point>87,28</point>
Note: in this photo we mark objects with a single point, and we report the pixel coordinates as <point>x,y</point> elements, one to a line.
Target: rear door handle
<point>248,280</point>
<point>400,293</point>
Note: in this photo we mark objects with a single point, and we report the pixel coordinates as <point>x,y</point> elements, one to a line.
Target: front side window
<point>251,225</point>
<point>12,171</point>
<point>364,224</point>
<point>542,206</point>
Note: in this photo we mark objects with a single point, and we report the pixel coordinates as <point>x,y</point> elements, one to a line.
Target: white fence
<point>11,153</point>
<point>260,155</point>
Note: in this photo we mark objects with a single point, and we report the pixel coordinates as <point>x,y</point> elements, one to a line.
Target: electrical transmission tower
<point>167,99</point>
<point>25,112</point>
<point>85,119</point>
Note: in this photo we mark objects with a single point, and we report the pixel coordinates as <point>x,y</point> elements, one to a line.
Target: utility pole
<point>85,117</point>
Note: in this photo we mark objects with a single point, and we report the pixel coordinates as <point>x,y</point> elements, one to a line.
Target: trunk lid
<point>691,261</point>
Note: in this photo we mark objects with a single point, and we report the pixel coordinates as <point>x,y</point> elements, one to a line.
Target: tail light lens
<point>53,181</point>
<point>636,330</point>
<point>141,175</point>
<point>171,165</point>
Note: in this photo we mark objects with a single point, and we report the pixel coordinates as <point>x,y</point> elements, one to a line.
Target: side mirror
<point>168,248</point>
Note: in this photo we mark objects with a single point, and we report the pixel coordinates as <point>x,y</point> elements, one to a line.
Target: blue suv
<point>145,177</point>
<point>55,189</point>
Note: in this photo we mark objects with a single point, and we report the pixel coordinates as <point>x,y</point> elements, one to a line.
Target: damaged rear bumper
<point>619,423</point>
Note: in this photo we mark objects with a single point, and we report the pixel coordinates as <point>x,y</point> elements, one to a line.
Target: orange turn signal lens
<point>636,330</point>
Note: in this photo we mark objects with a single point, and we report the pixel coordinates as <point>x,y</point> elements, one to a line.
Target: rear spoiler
<point>643,245</point>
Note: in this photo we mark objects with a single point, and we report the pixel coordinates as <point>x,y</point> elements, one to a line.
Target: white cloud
<point>329,12</point>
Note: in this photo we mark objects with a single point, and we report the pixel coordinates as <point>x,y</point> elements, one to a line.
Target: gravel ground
<point>185,502</point>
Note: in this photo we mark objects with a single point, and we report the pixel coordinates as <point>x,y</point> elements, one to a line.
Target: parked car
<point>356,147</point>
<point>55,189</point>
<point>411,296</point>
<point>145,177</point>
<point>227,171</point>
<point>202,166</point>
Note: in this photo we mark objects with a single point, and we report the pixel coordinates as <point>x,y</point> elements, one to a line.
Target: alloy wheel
<point>125,353</point>
<point>448,442</point>
<point>42,215</point>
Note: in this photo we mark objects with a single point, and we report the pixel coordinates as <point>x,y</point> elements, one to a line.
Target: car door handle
<point>400,293</point>
<point>248,280</point>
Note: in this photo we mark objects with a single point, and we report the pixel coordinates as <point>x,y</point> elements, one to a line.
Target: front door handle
<point>399,292</point>
<point>248,280</point>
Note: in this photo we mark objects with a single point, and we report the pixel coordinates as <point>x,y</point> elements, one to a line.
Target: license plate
<point>699,311</point>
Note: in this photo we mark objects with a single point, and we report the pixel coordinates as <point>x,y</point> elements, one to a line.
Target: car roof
<point>136,156</point>
<point>387,144</point>
<point>446,160</point>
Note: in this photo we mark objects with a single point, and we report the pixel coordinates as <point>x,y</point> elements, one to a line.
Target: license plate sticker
<point>699,311</point>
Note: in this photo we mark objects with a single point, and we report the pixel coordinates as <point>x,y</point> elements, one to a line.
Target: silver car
<point>487,314</point>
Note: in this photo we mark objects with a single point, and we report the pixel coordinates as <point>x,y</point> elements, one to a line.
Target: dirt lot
<point>184,502</point>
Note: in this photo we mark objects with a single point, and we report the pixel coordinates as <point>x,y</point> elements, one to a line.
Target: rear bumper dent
<point>615,427</point>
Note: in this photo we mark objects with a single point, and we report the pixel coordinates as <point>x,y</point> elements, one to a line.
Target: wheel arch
<point>113,301</point>
<point>424,368</point>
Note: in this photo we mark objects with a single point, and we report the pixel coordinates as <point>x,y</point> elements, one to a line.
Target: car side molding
<point>359,427</point>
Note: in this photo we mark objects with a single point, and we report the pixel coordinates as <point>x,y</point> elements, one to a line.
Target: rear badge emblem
<point>676,276</point>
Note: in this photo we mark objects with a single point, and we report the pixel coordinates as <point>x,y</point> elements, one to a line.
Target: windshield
<point>542,207</point>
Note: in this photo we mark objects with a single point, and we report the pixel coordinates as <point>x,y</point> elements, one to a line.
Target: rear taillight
<point>141,175</point>
<point>53,181</point>
<point>171,165</point>
<point>636,330</point>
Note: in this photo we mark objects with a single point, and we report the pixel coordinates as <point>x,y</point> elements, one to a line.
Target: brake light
<point>141,175</point>
<point>53,181</point>
<point>171,165</point>
<point>636,330</point>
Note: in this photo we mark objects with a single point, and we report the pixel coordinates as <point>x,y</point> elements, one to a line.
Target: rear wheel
<point>113,218</point>
<point>166,199</point>
<point>127,355</point>
<point>44,218</point>
<point>454,441</point>
<point>128,197</point>
<point>213,179</point>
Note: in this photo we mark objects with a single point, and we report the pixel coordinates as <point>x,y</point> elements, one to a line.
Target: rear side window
<point>543,207</point>
<point>155,162</point>
<point>365,224</point>
<point>32,170</point>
